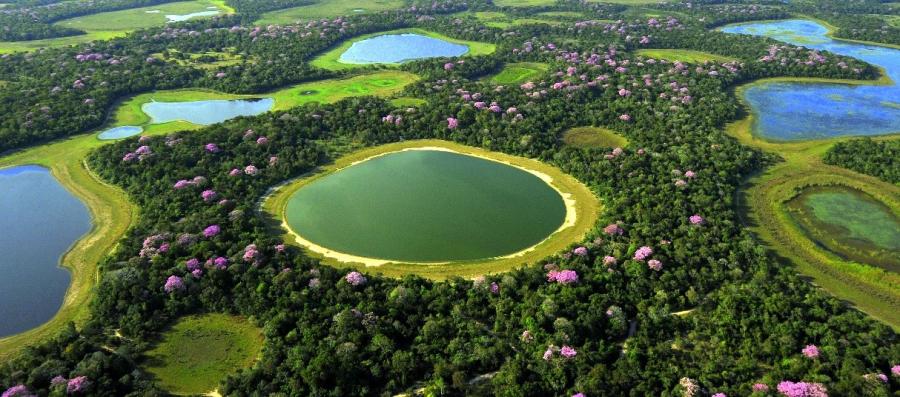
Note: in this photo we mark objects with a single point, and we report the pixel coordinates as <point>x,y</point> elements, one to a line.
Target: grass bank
<point>585,207</point>
<point>196,353</point>
<point>330,59</point>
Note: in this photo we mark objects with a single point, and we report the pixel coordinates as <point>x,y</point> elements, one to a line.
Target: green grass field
<point>196,353</point>
<point>501,20</point>
<point>515,73</point>
<point>329,60</point>
<point>593,137</point>
<point>689,56</point>
<point>764,207</point>
<point>587,210</point>
<point>328,9</point>
<point>108,25</point>
<point>204,60</point>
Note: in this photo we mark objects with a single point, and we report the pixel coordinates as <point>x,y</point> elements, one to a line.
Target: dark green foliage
<point>880,159</point>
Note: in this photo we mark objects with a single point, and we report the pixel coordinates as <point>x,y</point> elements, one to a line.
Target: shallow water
<point>124,131</point>
<point>398,48</point>
<point>185,17</point>
<point>206,112</point>
<point>426,206</point>
<point>39,220</point>
<point>850,223</point>
<point>800,111</point>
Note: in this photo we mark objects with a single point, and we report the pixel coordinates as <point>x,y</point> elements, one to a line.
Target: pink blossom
<point>279,248</point>
<point>811,351</point>
<point>680,183</point>
<point>696,219</point>
<point>209,195</point>
<point>173,283</point>
<point>192,264</point>
<point>578,395</point>
<point>895,370</point>
<point>580,251</point>
<point>250,253</point>
<point>58,380</point>
<point>495,288</point>
<point>609,260</point>
<point>197,273</point>
<point>251,170</point>
<point>234,172</point>
<point>211,230</point>
<point>567,352</point>
<point>562,276</point>
<point>355,278</point>
<point>643,252</point>
<point>548,354</point>
<point>128,157</point>
<point>182,184</point>
<point>448,66</point>
<point>17,391</point>
<point>802,389</point>
<point>719,395</point>
<point>689,174</point>
<point>624,92</point>
<point>527,86</point>
<point>77,384</point>
<point>760,387</point>
<point>220,262</point>
<point>262,140</point>
<point>625,117</point>
<point>452,123</point>
<point>613,229</point>
<point>212,148</point>
<point>655,265</point>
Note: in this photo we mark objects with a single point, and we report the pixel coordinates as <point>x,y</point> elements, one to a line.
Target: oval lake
<point>398,48</point>
<point>426,206</point>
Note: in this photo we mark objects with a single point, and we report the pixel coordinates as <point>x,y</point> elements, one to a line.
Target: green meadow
<point>330,60</point>
<point>515,73</point>
<point>327,9</point>
<point>196,353</point>
<point>689,56</point>
<point>593,137</point>
<point>108,25</point>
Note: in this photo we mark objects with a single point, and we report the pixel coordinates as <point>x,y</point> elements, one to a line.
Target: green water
<point>851,224</point>
<point>426,206</point>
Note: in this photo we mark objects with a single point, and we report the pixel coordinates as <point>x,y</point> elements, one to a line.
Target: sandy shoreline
<point>568,201</point>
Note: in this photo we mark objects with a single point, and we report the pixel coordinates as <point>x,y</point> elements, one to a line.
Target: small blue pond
<point>185,17</point>
<point>40,221</point>
<point>801,111</point>
<point>120,132</point>
<point>206,112</point>
<point>398,48</point>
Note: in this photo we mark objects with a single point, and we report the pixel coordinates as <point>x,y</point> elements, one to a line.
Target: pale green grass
<point>593,137</point>
<point>198,352</point>
<point>562,14</point>
<point>587,211</point>
<point>330,60</point>
<point>404,102</point>
<point>109,25</point>
<point>328,9</point>
<point>197,60</point>
<point>515,73</point>
<point>689,56</point>
<point>630,2</point>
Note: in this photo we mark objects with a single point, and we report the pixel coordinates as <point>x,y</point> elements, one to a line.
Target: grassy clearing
<point>204,60</point>
<point>592,137</point>
<point>328,9</point>
<point>560,14</point>
<point>587,208</point>
<point>630,2</point>
<point>330,59</point>
<point>515,73</point>
<point>689,56</point>
<point>502,21</point>
<point>111,212</point>
<point>764,203</point>
<point>407,102</point>
<point>199,351</point>
<point>109,25</point>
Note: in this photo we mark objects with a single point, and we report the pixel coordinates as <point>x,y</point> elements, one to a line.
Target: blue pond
<point>802,111</point>
<point>120,132</point>
<point>206,112</point>
<point>39,220</point>
<point>398,48</point>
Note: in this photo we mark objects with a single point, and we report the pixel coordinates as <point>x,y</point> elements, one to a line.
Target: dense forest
<point>880,159</point>
<point>755,327</point>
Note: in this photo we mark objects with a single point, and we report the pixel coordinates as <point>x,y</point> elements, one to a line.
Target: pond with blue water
<point>786,111</point>
<point>205,112</point>
<point>399,48</point>
<point>40,221</point>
